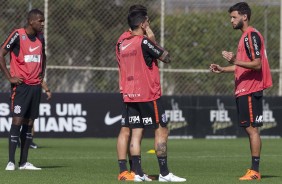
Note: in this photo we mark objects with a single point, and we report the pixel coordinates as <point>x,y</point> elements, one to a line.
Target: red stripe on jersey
<point>8,39</point>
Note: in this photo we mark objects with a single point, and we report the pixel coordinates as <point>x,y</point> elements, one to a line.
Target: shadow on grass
<point>52,167</point>
<point>41,147</point>
<point>270,176</point>
<point>154,176</point>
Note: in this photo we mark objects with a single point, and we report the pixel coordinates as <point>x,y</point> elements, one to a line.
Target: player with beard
<point>252,76</point>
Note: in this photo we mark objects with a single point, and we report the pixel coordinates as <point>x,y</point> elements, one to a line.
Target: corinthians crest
<point>17,109</point>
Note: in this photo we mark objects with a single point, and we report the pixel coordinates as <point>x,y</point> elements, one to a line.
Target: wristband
<point>47,91</point>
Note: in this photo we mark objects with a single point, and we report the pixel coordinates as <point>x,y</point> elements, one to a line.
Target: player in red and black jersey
<point>252,76</point>
<point>27,70</point>
<point>142,93</point>
<point>125,132</point>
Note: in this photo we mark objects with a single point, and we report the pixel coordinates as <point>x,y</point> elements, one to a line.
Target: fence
<point>81,37</point>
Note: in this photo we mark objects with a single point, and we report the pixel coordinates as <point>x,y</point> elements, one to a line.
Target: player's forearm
<point>254,65</point>
<point>44,86</point>
<point>165,57</point>
<point>4,68</point>
<point>228,69</point>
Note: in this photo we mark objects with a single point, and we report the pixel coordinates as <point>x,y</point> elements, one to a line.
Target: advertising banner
<point>99,115</point>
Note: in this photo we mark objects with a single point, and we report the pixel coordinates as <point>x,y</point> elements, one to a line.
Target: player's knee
<point>252,130</point>
<point>124,132</point>
<point>162,132</point>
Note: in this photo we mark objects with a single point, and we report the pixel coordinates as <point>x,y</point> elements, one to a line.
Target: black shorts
<point>25,100</point>
<point>124,118</point>
<point>249,108</point>
<point>146,114</point>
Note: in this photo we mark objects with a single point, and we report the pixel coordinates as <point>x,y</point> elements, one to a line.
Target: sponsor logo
<point>32,58</point>
<point>33,49</point>
<point>164,119</point>
<point>122,121</point>
<point>132,95</point>
<point>174,117</point>
<point>243,122</point>
<point>134,119</point>
<point>152,47</point>
<point>23,37</point>
<point>247,43</point>
<point>112,120</point>
<point>219,118</point>
<point>147,121</point>
<point>132,53</point>
<point>124,47</point>
<point>255,43</point>
<point>12,40</point>
<point>240,91</point>
<point>259,119</point>
<point>17,109</point>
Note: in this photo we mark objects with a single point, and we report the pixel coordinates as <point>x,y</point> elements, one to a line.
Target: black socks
<point>13,141</point>
<point>130,165</point>
<point>26,139</point>
<point>255,163</point>
<point>163,165</point>
<point>136,163</point>
<point>122,165</point>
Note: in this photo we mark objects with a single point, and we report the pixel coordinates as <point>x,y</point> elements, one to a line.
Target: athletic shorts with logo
<point>146,114</point>
<point>25,100</point>
<point>249,108</point>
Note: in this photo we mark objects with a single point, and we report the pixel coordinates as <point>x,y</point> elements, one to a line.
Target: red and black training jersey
<point>250,47</point>
<point>124,35</point>
<point>138,56</point>
<point>26,55</point>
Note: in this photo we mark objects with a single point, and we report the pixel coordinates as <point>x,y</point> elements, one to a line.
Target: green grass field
<point>94,161</point>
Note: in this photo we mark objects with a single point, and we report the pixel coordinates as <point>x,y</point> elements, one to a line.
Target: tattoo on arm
<point>162,149</point>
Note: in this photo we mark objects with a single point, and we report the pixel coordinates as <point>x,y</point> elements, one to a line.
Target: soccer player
<point>124,135</point>
<point>142,94</point>
<point>27,70</point>
<point>252,76</point>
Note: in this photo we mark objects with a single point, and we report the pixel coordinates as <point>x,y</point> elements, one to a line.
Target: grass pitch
<point>90,160</point>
